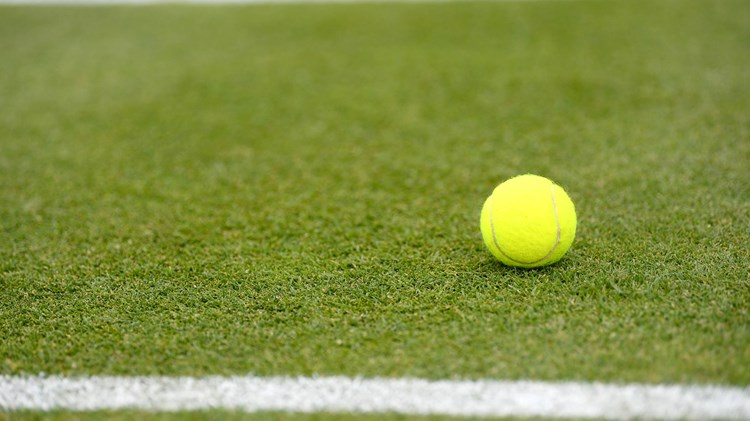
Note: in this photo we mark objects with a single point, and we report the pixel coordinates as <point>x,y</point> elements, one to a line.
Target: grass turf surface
<point>222,415</point>
<point>296,190</point>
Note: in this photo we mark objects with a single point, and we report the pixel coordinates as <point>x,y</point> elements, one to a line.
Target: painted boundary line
<point>377,395</point>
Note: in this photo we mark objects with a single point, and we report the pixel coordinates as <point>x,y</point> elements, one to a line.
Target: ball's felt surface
<point>528,221</point>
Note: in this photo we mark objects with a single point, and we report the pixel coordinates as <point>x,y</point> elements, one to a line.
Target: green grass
<point>296,190</point>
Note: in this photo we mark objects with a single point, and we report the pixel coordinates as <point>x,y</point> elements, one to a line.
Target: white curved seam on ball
<point>557,240</point>
<point>557,221</point>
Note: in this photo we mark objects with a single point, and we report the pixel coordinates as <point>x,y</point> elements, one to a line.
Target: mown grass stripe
<point>406,396</point>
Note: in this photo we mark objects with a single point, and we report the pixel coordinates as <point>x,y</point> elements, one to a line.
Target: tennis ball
<point>528,221</point>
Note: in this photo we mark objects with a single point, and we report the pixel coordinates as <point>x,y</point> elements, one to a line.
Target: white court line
<point>377,395</point>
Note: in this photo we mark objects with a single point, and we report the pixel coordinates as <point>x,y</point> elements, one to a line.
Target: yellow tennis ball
<point>528,221</point>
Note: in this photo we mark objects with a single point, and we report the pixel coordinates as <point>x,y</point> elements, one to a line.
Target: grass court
<point>295,190</point>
